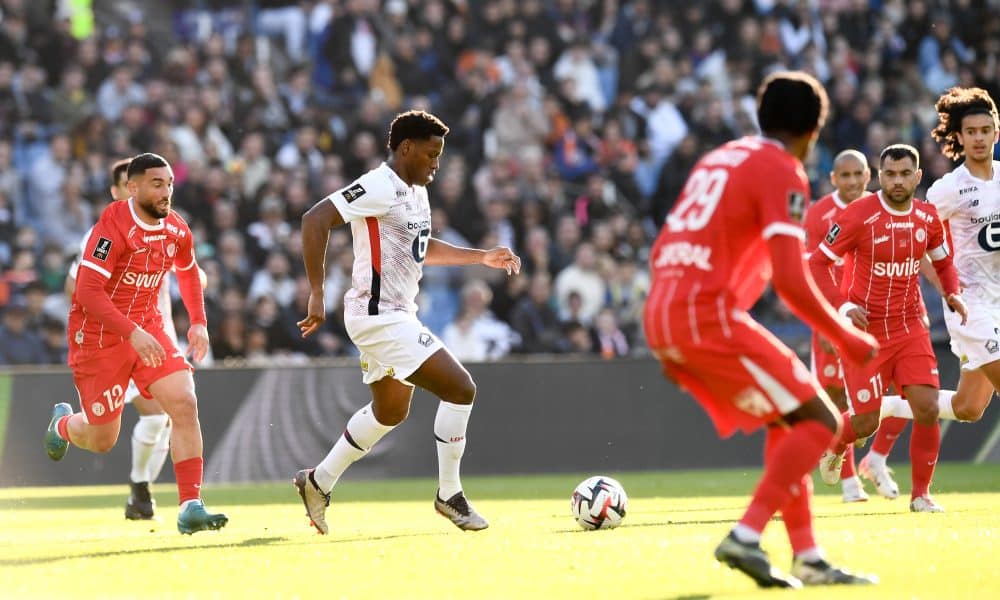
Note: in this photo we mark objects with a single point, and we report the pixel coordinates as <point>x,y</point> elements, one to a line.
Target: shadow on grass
<point>41,560</point>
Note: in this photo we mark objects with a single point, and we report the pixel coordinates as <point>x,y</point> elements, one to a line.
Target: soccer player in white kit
<point>390,221</point>
<point>968,199</point>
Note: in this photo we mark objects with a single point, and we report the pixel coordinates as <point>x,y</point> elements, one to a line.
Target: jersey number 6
<point>420,245</point>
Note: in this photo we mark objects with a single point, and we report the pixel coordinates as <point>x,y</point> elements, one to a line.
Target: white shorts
<point>392,345</point>
<point>978,341</point>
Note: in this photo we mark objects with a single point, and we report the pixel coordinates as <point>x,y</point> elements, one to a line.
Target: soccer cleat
<point>140,505</point>
<point>753,562</point>
<point>853,491</point>
<point>820,572</point>
<point>460,512</point>
<point>925,504</point>
<point>314,499</point>
<point>885,485</point>
<point>55,446</point>
<point>829,467</point>
<point>194,518</point>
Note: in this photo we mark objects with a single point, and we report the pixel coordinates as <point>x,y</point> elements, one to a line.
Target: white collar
<point>836,200</point>
<point>142,224</point>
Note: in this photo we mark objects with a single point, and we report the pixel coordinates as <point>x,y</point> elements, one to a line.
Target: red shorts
<point>826,367</point>
<point>909,361</point>
<point>740,373</point>
<point>101,376</point>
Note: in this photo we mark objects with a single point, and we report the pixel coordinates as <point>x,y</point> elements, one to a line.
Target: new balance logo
<point>967,190</point>
<point>974,203</point>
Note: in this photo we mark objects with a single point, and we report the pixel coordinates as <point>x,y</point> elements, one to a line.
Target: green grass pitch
<point>387,542</point>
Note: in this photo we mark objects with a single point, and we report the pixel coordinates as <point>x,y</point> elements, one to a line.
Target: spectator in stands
<point>21,345</point>
<point>535,320</point>
<point>476,335</point>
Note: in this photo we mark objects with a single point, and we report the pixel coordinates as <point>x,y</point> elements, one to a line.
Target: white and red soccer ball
<point>599,503</point>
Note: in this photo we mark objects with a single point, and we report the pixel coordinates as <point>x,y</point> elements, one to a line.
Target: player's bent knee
<point>970,414</point>
<point>103,443</point>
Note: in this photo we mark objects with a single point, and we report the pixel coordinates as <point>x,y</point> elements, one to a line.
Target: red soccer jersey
<point>711,255</point>
<point>819,218</point>
<point>132,256</point>
<point>886,246</point>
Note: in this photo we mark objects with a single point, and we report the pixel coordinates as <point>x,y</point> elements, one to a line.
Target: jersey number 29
<point>698,200</point>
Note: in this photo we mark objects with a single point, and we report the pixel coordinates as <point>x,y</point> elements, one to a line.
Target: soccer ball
<point>599,503</point>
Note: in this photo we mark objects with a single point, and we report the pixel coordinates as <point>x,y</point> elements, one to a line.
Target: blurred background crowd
<point>573,126</point>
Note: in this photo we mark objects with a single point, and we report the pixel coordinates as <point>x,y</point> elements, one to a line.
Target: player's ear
<point>132,186</point>
<point>919,174</point>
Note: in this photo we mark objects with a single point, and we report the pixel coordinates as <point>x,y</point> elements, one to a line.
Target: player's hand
<point>317,314</point>
<point>858,317</point>
<point>146,346</point>
<point>503,258</point>
<point>957,304</point>
<point>197,342</point>
<point>826,345</point>
<point>857,347</point>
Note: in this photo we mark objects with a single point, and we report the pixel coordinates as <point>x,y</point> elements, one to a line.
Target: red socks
<point>188,473</point>
<point>925,441</point>
<point>789,456</point>
<point>888,431</point>
<point>847,470</point>
<point>797,513</point>
<point>62,427</point>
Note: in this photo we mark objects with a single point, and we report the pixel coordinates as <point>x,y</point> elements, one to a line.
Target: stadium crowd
<point>573,126</point>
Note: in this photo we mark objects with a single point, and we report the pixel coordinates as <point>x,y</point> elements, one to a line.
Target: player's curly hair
<point>414,125</point>
<point>791,102</point>
<point>952,107</point>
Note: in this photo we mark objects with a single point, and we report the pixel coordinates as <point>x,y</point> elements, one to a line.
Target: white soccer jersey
<point>391,226</point>
<point>162,301</point>
<point>972,208</point>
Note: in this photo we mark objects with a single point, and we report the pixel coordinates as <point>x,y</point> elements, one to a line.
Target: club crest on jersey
<point>425,340</point>
<point>171,249</point>
<point>992,346</point>
<point>920,235</point>
<point>102,249</point>
<point>353,193</point>
<point>796,204</point>
<point>831,235</point>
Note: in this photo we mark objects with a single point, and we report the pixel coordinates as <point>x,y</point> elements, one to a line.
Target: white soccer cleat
<point>829,467</point>
<point>853,490</point>
<point>313,499</point>
<point>925,504</point>
<point>820,572</point>
<point>458,510</point>
<point>885,485</point>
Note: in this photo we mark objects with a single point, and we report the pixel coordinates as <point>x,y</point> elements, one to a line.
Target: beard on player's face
<point>154,204</point>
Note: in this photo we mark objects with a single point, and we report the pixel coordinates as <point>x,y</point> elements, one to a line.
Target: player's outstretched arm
<point>445,254</point>
<point>316,225</point>
<point>796,287</point>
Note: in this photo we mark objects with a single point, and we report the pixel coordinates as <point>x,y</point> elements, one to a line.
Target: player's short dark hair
<point>145,161</point>
<point>119,168</point>
<point>414,125</point>
<point>899,152</point>
<point>953,106</point>
<point>791,102</point>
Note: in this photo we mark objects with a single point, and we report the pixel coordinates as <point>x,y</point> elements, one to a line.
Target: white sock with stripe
<point>449,431</point>
<point>897,406</point>
<point>362,432</point>
<point>145,436</point>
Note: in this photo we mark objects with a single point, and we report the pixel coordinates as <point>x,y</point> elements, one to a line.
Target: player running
<point>850,177</point>
<point>886,234</point>
<point>390,222</point>
<point>725,237</point>
<point>132,246</point>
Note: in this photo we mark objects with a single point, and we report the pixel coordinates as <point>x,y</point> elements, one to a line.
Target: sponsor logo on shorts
<point>353,193</point>
<point>102,249</point>
<point>992,346</point>
<point>97,408</point>
<point>78,338</point>
<point>425,340</point>
<point>390,372</point>
<point>864,396</point>
<point>829,371</point>
<point>752,401</point>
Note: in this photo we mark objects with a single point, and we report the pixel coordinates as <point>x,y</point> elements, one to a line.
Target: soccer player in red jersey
<point>735,226</point>
<point>116,332</point>
<point>886,234</point>
<point>850,177</point>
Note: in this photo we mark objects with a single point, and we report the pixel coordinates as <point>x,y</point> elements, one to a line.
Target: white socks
<point>897,406</point>
<point>362,432</point>
<point>876,461</point>
<point>160,452</point>
<point>745,534</point>
<point>146,441</point>
<point>449,431</point>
